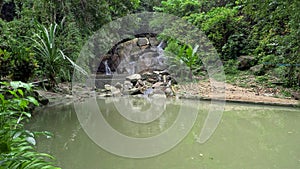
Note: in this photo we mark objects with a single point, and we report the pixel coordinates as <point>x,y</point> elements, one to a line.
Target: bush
<point>52,59</point>
<point>221,27</point>
<point>16,143</point>
<point>5,63</point>
<point>18,65</point>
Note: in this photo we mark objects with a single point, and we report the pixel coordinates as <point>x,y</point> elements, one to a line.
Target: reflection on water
<point>249,137</point>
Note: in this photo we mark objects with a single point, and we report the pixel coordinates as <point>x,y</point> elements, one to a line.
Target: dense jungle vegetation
<point>40,39</point>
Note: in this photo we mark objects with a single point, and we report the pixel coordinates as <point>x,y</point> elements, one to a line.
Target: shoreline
<point>66,98</point>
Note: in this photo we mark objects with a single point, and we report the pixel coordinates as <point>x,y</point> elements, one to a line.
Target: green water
<point>247,137</point>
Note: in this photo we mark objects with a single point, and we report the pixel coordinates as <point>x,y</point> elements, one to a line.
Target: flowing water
<point>247,137</point>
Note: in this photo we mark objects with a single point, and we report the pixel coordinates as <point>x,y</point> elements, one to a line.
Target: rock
<point>295,95</point>
<point>118,85</point>
<point>139,83</point>
<point>127,85</point>
<point>146,75</point>
<point>43,100</point>
<point>258,69</point>
<point>153,41</point>
<point>110,88</point>
<point>158,84</point>
<point>142,42</point>
<point>134,91</point>
<point>152,80</point>
<point>68,96</point>
<point>105,95</point>
<point>169,92</point>
<point>148,92</point>
<point>162,72</point>
<point>245,62</point>
<point>116,93</point>
<point>134,78</point>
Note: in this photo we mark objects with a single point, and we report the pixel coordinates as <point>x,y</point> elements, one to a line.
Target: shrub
<point>18,65</point>
<point>220,25</point>
<point>16,143</point>
<point>53,60</point>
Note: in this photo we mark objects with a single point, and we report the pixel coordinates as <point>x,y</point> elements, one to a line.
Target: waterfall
<point>132,69</point>
<point>161,56</point>
<point>159,49</point>
<point>107,68</point>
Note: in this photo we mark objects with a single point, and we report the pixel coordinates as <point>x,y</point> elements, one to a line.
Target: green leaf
<point>13,93</point>
<point>17,134</point>
<point>31,140</point>
<point>27,114</point>
<point>21,92</point>
<point>33,100</point>
<point>15,84</point>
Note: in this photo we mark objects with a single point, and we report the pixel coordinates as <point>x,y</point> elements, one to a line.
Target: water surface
<point>247,137</point>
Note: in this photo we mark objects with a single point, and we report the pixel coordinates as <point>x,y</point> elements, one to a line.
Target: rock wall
<point>134,56</point>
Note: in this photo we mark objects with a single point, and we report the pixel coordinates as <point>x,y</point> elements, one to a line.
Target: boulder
<point>142,42</point>
<point>153,41</point>
<point>134,78</point>
<point>169,92</point>
<point>127,85</point>
<point>158,84</point>
<point>246,62</point>
<point>133,91</point>
<point>295,95</point>
<point>258,69</point>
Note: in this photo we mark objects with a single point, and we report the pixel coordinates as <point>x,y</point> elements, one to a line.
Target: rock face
<point>245,62</point>
<point>137,66</point>
<point>134,56</point>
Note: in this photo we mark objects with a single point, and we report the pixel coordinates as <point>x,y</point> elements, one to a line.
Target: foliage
<point>148,5</point>
<point>185,56</point>
<point>221,27</point>
<point>16,143</point>
<point>19,66</point>
<point>18,61</point>
<point>5,64</point>
<point>52,58</point>
<point>276,33</point>
<point>179,7</point>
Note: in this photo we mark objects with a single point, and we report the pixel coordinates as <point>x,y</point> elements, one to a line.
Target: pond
<point>247,136</point>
